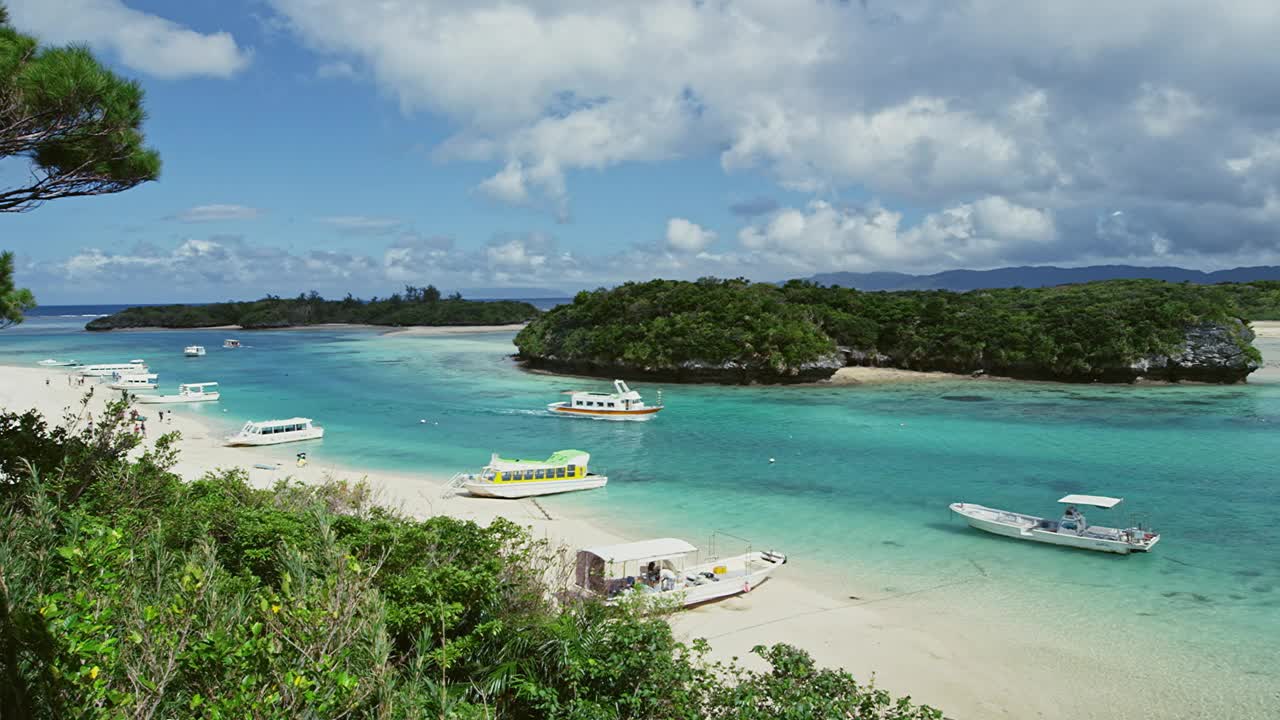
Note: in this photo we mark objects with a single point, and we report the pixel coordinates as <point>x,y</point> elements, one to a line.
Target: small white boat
<point>1072,530</point>
<point>670,568</point>
<point>625,404</point>
<point>133,367</point>
<point>564,471</point>
<point>134,381</point>
<point>50,362</point>
<point>187,393</point>
<point>230,344</point>
<point>274,432</point>
<point>193,351</point>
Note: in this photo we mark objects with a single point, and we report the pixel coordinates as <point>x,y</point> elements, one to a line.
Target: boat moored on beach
<point>274,432</point>
<point>565,471</point>
<point>1072,530</point>
<point>187,393</point>
<point>670,568</point>
<point>193,351</point>
<point>624,404</point>
<point>133,381</point>
<point>50,362</point>
<point>133,367</point>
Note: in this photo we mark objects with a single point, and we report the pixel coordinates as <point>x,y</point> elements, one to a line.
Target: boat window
<point>560,472</point>
<point>573,471</point>
<point>539,474</point>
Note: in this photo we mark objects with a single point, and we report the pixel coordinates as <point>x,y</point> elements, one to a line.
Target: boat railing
<point>455,484</point>
<point>713,552</point>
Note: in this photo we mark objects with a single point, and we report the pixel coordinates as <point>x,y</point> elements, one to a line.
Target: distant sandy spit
<point>1266,328</point>
<point>881,375</point>
<point>436,330</point>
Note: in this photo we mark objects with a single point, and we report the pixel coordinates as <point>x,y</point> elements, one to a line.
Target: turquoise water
<point>859,488</point>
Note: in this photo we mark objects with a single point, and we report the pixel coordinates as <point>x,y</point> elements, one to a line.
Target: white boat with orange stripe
<point>625,404</point>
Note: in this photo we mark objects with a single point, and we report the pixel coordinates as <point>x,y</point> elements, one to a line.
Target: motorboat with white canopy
<point>187,393</point>
<point>623,404</point>
<point>671,568</point>
<point>274,432</point>
<point>1071,530</point>
<point>194,351</point>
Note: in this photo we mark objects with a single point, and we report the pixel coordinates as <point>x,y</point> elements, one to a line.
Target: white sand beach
<point>935,641</point>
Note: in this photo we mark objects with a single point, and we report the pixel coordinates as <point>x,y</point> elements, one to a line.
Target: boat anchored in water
<point>1072,530</point>
<point>230,344</point>
<point>625,404</point>
<point>193,351</point>
<point>670,568</point>
<point>564,471</point>
<point>187,393</point>
<point>134,381</point>
<point>274,432</point>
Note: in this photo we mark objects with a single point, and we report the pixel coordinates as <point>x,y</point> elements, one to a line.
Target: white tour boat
<point>133,381</point>
<point>50,362</point>
<point>133,367</point>
<point>670,568</point>
<point>625,404</point>
<point>274,432</point>
<point>193,351</point>
<point>230,344</point>
<point>1072,530</point>
<point>187,393</point>
<point>564,471</point>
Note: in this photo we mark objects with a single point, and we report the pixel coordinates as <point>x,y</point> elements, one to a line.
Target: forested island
<point>736,331</point>
<point>416,306</point>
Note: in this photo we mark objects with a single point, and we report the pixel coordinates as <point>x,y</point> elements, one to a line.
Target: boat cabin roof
<point>1099,501</point>
<point>198,386</point>
<point>645,550</point>
<point>288,421</point>
<point>559,458</point>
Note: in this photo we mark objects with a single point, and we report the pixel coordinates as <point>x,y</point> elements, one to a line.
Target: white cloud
<point>217,213</point>
<point>143,42</point>
<point>984,233</point>
<point>689,237</point>
<point>336,70</point>
<point>362,224</point>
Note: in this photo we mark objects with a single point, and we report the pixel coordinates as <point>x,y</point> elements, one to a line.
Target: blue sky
<point>566,144</point>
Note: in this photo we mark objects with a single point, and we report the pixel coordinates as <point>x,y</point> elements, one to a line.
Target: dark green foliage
<point>127,593</point>
<point>77,124</point>
<point>14,301</point>
<point>1259,300</point>
<point>422,306</point>
<point>1072,332</point>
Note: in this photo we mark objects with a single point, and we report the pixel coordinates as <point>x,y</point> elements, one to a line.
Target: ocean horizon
<point>852,483</point>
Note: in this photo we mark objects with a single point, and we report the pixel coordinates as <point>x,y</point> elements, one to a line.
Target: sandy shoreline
<point>932,638</point>
<point>416,330</point>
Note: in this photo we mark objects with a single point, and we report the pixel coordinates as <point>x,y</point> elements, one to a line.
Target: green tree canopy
<point>13,301</point>
<point>76,123</point>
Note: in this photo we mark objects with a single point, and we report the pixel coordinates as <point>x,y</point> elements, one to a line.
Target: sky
<point>566,144</point>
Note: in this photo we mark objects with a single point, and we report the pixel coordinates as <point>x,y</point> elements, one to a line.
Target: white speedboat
<point>564,471</point>
<point>50,362</point>
<point>193,351</point>
<point>274,432</point>
<point>670,568</point>
<point>1072,530</point>
<point>133,367</point>
<point>187,393</point>
<point>134,381</point>
<point>230,344</point>
<point>625,404</point>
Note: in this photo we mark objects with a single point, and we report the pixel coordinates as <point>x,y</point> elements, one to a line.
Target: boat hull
<point>533,488</point>
<point>633,415</point>
<point>240,439</point>
<point>758,567</point>
<point>1024,527</point>
<point>168,399</point>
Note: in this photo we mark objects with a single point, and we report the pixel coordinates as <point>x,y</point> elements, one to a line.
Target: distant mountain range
<point>1037,276</point>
